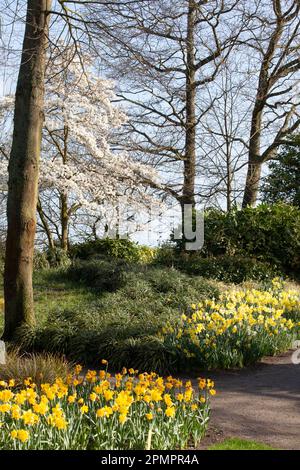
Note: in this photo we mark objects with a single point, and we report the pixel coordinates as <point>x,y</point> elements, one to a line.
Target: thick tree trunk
<point>254,157</point>
<point>252,183</point>
<point>24,171</point>
<point>188,191</point>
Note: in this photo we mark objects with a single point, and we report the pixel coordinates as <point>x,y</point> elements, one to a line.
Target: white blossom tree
<point>81,168</point>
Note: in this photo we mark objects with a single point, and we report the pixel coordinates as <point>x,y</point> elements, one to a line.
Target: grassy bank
<point>118,310</point>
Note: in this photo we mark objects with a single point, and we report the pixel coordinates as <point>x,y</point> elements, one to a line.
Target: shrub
<point>123,348</point>
<point>122,345</point>
<point>40,260</point>
<point>226,268</point>
<point>147,255</point>
<point>268,233</point>
<point>95,412</point>
<point>40,367</point>
<point>102,275</point>
<point>58,258</point>
<point>167,255</point>
<point>236,269</point>
<point>282,180</point>
<point>140,282</point>
<point>252,243</point>
<point>236,331</point>
<point>112,248</point>
<point>126,250</point>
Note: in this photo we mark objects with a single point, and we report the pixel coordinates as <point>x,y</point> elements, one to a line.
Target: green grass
<point>53,291</point>
<point>111,293</point>
<point>240,444</point>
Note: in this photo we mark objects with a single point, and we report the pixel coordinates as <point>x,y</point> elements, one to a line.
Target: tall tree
<point>276,45</point>
<point>24,170</point>
<point>166,53</point>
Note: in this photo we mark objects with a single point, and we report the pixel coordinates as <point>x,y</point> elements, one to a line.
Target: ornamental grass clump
<point>40,367</point>
<point>238,329</point>
<point>99,411</point>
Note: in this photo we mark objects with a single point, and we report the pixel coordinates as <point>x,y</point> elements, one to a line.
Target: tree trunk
<point>252,183</point>
<point>64,211</point>
<point>24,171</point>
<point>254,158</point>
<point>64,222</point>
<point>229,180</point>
<point>46,227</point>
<point>188,191</point>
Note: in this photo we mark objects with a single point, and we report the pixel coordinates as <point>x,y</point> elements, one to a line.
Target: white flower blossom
<point>77,158</point>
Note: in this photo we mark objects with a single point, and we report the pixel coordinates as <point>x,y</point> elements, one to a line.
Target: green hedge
<point>244,244</point>
<point>269,233</point>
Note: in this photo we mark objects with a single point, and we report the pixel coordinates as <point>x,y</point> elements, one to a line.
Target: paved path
<point>261,403</point>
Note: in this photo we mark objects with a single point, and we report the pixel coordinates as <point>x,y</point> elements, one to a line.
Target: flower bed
<point>239,329</point>
<point>126,411</point>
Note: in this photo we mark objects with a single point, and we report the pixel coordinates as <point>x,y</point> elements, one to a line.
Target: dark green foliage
<point>267,233</point>
<point>121,346</point>
<point>282,182</point>
<point>97,274</point>
<point>167,255</point>
<point>40,261</point>
<point>131,305</point>
<point>253,243</point>
<point>113,248</point>
<point>135,282</point>
<point>236,269</point>
<point>57,258</point>
<point>226,268</point>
